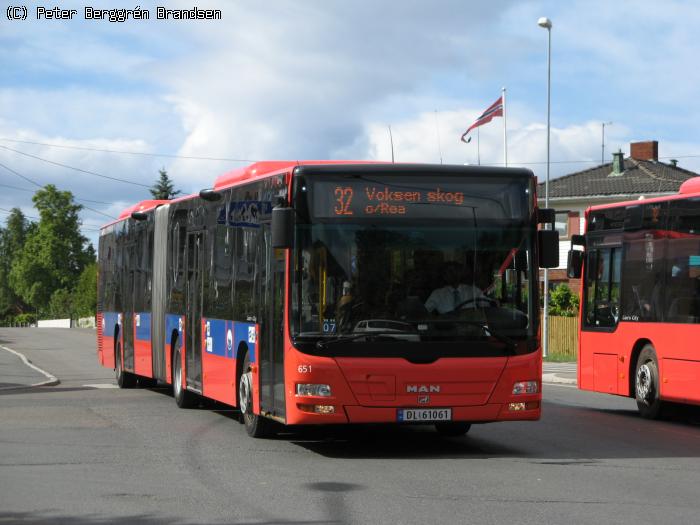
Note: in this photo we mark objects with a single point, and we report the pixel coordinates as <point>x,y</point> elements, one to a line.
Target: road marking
<point>560,385</point>
<point>552,378</point>
<point>50,381</point>
<point>102,385</point>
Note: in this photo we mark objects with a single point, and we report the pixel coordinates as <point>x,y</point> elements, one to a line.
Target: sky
<point>85,102</point>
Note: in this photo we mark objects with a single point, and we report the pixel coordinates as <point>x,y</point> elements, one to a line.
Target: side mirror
<point>546,216</point>
<point>210,195</point>
<point>548,243</point>
<point>282,227</point>
<point>578,240</point>
<point>574,264</point>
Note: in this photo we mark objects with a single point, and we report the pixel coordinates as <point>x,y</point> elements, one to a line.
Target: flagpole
<point>505,136</point>
<point>391,140</point>
<point>437,131</point>
<point>478,145</point>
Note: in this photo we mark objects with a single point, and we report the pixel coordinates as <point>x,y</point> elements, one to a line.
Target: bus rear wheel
<point>452,429</point>
<point>183,397</point>
<point>646,384</point>
<point>256,426</point>
<point>124,379</point>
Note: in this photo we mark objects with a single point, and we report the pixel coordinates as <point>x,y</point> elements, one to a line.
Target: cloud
<point>295,80</point>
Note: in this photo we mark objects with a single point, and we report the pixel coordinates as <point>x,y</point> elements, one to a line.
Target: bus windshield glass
<point>401,261</point>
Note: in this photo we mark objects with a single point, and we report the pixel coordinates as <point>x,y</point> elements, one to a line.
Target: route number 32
<point>343,198</point>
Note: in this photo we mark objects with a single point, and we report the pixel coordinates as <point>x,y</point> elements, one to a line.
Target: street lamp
<point>546,23</point>
<point>602,154</point>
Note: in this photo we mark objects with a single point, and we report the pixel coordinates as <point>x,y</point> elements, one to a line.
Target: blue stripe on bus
<point>172,322</point>
<point>246,333</point>
<point>216,338</point>
<point>223,338</point>
<point>143,326</point>
<point>111,320</point>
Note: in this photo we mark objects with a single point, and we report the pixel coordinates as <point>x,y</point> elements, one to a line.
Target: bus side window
<point>682,303</point>
<point>179,234</point>
<point>603,290</point>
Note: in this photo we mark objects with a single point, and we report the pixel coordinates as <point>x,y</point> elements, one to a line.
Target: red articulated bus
<point>640,314</point>
<point>299,293</point>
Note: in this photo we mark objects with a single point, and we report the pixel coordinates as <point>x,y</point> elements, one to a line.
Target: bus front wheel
<point>256,426</point>
<point>646,384</point>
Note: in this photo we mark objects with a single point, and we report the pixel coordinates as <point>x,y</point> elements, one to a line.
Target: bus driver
<point>450,297</point>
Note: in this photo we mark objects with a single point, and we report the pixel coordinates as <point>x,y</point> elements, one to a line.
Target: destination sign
<point>351,198</point>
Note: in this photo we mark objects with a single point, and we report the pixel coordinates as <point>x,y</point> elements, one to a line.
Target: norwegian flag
<point>494,110</point>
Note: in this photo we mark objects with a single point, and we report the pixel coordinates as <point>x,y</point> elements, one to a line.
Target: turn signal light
<point>517,407</point>
<point>317,409</point>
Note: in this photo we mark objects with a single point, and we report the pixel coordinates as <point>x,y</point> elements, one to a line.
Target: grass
<point>560,358</point>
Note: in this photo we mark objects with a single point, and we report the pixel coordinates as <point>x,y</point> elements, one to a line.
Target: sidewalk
<point>559,373</point>
<point>17,372</point>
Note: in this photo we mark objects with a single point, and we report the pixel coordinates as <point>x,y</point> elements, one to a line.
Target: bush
<point>19,320</point>
<point>563,302</point>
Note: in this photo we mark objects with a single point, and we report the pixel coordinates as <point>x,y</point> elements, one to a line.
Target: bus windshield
<point>419,271</point>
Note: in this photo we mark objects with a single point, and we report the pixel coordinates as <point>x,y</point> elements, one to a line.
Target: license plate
<point>409,415</point>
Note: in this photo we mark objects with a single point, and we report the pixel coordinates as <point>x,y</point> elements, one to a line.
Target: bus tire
<point>452,429</point>
<point>183,397</point>
<point>124,379</point>
<point>646,384</point>
<point>256,426</point>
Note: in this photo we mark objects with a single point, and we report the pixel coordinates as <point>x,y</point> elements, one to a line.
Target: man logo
<point>423,389</point>
<point>423,400</point>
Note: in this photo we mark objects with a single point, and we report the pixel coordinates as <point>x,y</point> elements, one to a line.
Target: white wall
<point>54,323</point>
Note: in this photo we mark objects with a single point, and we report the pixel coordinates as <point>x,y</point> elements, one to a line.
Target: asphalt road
<point>89,455</point>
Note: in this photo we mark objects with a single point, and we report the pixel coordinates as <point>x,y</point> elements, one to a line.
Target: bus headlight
<point>525,387</point>
<point>311,389</point>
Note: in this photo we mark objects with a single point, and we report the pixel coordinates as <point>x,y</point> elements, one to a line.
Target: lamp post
<point>546,23</point>
<point>602,145</point>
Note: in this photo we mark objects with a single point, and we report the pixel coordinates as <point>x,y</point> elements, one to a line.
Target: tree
<point>164,188</point>
<point>12,240</point>
<point>84,301</point>
<point>54,253</point>
<point>60,305</point>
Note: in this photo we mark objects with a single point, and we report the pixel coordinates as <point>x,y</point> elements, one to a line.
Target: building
<point>639,176</point>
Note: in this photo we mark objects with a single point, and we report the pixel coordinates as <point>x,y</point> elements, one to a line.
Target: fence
<point>563,337</point>
<point>83,322</point>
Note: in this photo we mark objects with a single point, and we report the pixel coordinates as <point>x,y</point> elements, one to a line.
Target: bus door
<point>270,287</point>
<point>128,315</point>
<point>195,298</point>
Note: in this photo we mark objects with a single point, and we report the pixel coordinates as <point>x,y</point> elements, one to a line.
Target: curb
<point>50,381</point>
<point>552,378</point>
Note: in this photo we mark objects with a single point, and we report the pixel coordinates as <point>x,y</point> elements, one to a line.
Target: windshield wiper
<point>369,336</point>
<point>487,330</point>
<point>510,343</point>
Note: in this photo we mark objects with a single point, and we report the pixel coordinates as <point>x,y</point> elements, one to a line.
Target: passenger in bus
<point>457,293</point>
<point>344,312</point>
<point>652,308</point>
